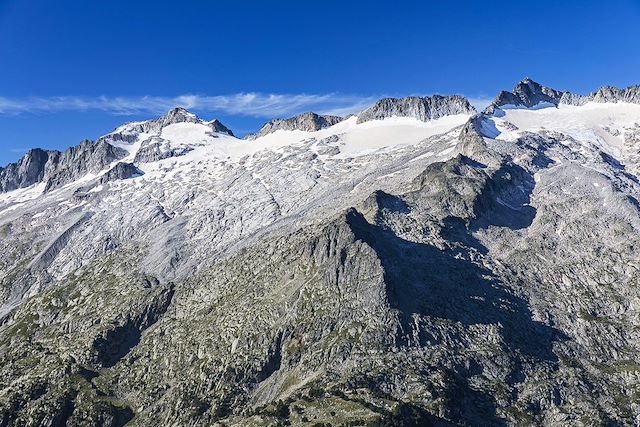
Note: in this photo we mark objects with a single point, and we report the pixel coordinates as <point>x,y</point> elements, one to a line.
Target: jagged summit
<point>217,126</point>
<point>57,168</point>
<point>26,171</point>
<point>527,93</point>
<point>173,116</point>
<point>421,108</point>
<point>179,115</point>
<point>308,122</point>
<point>612,94</point>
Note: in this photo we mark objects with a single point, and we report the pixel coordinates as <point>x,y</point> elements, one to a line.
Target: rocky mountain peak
<point>27,171</point>
<point>181,115</point>
<point>527,93</point>
<point>55,168</point>
<point>217,126</point>
<point>308,122</point>
<point>421,108</point>
<point>129,132</point>
<point>178,115</point>
<point>612,94</point>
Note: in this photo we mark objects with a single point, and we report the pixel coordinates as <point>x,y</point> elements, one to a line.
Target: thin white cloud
<point>246,104</point>
<point>259,105</point>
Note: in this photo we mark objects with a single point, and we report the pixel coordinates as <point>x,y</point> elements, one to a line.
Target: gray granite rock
<point>55,168</point>
<point>308,122</point>
<point>421,108</point>
<point>529,93</point>
<point>156,148</point>
<point>120,171</point>
<point>218,127</point>
<point>27,171</point>
<point>630,94</point>
<point>526,93</point>
<point>77,161</point>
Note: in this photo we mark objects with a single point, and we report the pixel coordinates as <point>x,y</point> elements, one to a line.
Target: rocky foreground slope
<point>404,266</point>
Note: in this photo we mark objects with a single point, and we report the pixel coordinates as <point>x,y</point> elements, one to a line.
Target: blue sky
<point>71,70</point>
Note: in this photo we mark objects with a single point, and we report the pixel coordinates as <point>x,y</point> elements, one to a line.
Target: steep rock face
<point>421,108</point>
<point>526,93</point>
<point>218,127</point>
<point>27,171</point>
<point>156,148</point>
<point>120,171</point>
<point>346,315</point>
<point>74,163</point>
<point>308,122</point>
<point>55,168</point>
<point>605,94</point>
<point>529,93</point>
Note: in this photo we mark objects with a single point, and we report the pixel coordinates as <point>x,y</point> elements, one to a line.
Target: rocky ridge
<point>307,122</point>
<point>528,93</point>
<point>421,108</point>
<point>55,168</point>
<point>484,274</point>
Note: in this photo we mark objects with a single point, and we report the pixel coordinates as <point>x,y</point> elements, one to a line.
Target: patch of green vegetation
<point>570,362</point>
<point>621,366</point>
<point>291,381</point>
<point>26,326</point>
<point>5,229</point>
<point>591,318</point>
<point>521,417</point>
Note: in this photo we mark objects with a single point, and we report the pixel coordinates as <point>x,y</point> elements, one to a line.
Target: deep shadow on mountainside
<point>495,285</point>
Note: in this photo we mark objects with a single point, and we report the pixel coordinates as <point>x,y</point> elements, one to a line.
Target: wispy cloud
<point>246,104</point>
<point>259,105</point>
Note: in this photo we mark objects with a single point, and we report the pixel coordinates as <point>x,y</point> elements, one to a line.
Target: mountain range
<point>416,263</point>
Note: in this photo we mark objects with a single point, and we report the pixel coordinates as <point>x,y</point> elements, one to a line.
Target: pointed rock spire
<point>526,93</point>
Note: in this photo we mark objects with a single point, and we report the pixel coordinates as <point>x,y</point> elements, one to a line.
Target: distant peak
<point>422,108</point>
<point>308,122</point>
<point>179,115</point>
<point>217,126</point>
<point>527,93</point>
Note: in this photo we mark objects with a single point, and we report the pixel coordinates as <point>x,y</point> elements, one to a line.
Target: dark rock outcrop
<point>630,94</point>
<point>120,171</point>
<point>80,160</point>
<point>218,127</point>
<point>27,171</point>
<point>528,94</point>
